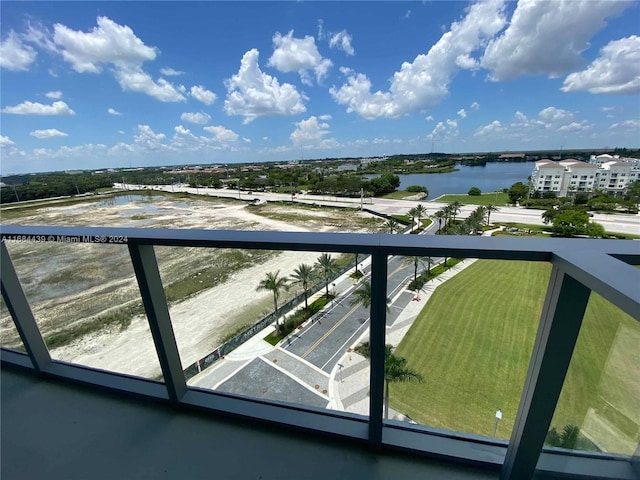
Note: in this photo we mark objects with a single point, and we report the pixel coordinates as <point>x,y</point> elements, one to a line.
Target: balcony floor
<point>55,430</point>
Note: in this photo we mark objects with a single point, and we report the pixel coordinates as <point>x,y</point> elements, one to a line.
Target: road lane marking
<point>329,332</point>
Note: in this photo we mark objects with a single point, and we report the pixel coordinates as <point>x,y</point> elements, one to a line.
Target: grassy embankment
<point>472,344</point>
<point>501,199</point>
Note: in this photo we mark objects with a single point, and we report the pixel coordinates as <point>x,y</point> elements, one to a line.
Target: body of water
<point>493,176</point>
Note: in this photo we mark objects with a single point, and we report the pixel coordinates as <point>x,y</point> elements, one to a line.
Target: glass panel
<point>229,340</point>
<point>87,304</point>
<point>599,407</point>
<point>9,336</point>
<point>467,339</point>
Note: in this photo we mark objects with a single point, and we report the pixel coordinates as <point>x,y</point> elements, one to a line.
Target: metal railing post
<point>376,342</point>
<point>155,305</point>
<point>562,313</point>
<point>21,313</point>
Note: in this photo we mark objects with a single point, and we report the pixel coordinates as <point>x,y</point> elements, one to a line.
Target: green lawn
<point>472,344</point>
<point>485,199</point>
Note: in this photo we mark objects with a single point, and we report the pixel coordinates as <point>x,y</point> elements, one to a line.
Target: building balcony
<point>66,420</point>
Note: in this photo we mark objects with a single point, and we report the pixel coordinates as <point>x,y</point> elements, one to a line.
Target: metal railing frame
<point>579,267</point>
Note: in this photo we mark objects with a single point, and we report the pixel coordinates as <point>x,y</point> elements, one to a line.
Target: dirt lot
<point>86,300</point>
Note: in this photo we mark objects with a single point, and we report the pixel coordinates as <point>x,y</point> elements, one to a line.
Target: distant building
<point>604,172</point>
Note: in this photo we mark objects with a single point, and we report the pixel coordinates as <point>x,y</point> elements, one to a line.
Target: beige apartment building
<point>611,174</point>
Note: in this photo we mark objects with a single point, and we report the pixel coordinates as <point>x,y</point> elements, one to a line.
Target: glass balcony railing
<point>525,357</point>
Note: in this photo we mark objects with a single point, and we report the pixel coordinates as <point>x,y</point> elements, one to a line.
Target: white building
<point>604,172</point>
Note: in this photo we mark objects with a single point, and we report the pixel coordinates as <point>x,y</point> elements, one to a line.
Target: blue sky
<point>116,84</point>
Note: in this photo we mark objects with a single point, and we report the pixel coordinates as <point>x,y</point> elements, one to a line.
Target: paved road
<point>299,370</point>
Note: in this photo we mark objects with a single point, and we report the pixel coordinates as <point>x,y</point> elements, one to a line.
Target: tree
<point>474,191</point>
<point>413,213</point>
<point>571,222</point>
<point>327,266</point>
<point>421,211</point>
<point>490,208</point>
<point>454,209</point>
<point>274,283</point>
<point>518,191</point>
<point>303,275</point>
<point>396,371</point>
<point>392,225</point>
<point>440,215</point>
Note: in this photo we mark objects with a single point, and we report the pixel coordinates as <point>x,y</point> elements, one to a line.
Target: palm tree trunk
<point>386,400</point>
<point>415,269</point>
<point>275,312</point>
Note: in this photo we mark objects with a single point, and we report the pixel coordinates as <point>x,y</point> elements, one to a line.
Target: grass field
<point>472,344</point>
<point>501,199</point>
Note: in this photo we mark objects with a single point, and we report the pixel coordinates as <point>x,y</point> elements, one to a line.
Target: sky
<point>89,85</point>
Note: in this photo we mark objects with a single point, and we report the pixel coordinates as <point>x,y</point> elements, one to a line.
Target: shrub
<point>416,189</point>
<point>475,191</point>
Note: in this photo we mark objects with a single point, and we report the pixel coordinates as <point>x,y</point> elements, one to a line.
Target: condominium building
<point>604,172</point>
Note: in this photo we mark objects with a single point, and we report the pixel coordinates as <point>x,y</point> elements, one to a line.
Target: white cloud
<point>324,118</point>
<point>424,82</point>
<point>148,139</point>
<point>221,134</point>
<point>616,71</point>
<point>170,72</point>
<point>298,55</point>
<point>575,127</point>
<point>203,95</point>
<point>48,133</point>
<point>462,113</point>
<point>429,118</point>
<point>6,141</point>
<point>452,123</point>
<point>547,37</point>
<point>342,40</point>
<point>246,140</point>
<point>15,55</point>
<point>553,115</point>
<point>607,109</point>
<point>309,131</point>
<point>112,111</point>
<point>253,94</point>
<point>108,42</point>
<point>493,128</point>
<point>632,124</point>
<point>408,14</point>
<point>199,118</point>
<point>56,95</point>
<point>134,79</point>
<point>34,108</point>
<point>475,106</point>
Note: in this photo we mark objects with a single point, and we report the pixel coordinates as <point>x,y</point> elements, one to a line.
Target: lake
<point>494,175</point>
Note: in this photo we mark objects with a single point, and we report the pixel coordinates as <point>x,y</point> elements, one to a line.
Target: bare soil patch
<point>86,299</point>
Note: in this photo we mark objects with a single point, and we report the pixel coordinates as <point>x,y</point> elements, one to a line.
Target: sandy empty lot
<point>71,286</point>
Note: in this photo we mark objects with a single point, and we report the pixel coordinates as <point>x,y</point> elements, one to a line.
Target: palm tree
<point>454,208</point>
<point>415,261</point>
<point>274,283</point>
<point>413,213</point>
<point>429,261</point>
<point>392,225</point>
<point>303,275</point>
<point>327,266</point>
<point>363,296</point>
<point>421,211</point>
<point>440,215</point>
<point>490,208</point>
<point>396,371</point>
